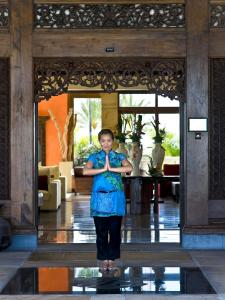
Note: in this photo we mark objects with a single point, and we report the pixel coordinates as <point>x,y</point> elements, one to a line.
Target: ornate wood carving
<point>217,16</point>
<point>162,76</point>
<point>60,16</point>
<point>217,130</point>
<point>4,130</point>
<point>4,16</point>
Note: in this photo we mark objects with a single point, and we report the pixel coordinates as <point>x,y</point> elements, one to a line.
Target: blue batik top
<point>107,197</point>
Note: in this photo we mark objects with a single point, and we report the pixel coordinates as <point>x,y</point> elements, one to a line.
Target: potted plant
<point>158,152</point>
<point>121,135</point>
<point>135,134</point>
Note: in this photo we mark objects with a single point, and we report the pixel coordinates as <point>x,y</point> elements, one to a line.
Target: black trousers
<point>108,231</point>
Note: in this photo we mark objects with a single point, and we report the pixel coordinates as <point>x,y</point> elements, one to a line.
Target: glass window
<point>167,102</point>
<point>89,123</point>
<point>171,122</point>
<point>136,100</point>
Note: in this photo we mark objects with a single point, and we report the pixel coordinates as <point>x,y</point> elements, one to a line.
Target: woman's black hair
<point>105,131</point>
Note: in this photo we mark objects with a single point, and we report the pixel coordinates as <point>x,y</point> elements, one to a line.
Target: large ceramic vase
<point>122,149</point>
<point>135,158</point>
<point>158,155</point>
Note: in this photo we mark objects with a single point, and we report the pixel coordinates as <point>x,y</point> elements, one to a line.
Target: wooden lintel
<point>165,43</point>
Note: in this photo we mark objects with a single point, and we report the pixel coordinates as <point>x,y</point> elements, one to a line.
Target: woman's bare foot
<point>105,264</point>
<point>111,264</point>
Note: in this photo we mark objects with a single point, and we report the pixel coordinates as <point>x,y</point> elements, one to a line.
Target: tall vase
<point>66,168</point>
<point>135,158</point>
<point>158,155</point>
<point>122,149</point>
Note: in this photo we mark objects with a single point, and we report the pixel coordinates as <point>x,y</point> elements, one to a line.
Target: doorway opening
<point>79,114</point>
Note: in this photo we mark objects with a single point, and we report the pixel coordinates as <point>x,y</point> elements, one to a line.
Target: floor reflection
<point>128,280</point>
<point>72,224</point>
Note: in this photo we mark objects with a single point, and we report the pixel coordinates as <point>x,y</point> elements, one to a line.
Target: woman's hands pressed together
<point>107,166</point>
<point>125,167</point>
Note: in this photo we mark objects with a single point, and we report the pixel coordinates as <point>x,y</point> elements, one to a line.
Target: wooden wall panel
<point>4,44</point>
<point>217,130</point>
<point>217,43</point>
<point>22,125</point>
<point>4,130</point>
<point>126,43</point>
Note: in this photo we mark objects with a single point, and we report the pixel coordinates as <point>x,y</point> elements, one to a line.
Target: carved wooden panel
<point>217,16</point>
<point>4,16</point>
<point>217,130</point>
<point>4,129</point>
<point>61,16</point>
<point>162,76</point>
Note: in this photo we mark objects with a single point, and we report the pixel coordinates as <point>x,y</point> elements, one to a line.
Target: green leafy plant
<point>83,153</point>
<point>160,134</point>
<point>171,144</point>
<point>136,126</point>
<point>121,133</point>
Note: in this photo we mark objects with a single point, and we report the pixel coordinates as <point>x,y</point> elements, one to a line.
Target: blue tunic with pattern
<point>107,197</point>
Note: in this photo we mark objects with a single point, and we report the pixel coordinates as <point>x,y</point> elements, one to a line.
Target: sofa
<point>52,185</point>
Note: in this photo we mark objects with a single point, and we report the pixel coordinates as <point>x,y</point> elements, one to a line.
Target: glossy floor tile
<point>72,224</point>
<point>126,280</point>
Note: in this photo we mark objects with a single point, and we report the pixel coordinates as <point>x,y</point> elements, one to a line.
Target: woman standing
<point>107,199</point>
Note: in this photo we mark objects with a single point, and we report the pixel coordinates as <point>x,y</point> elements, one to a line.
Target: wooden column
<point>22,120</point>
<point>197,106</point>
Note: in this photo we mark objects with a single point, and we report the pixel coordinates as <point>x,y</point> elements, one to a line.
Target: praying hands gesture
<point>125,167</point>
<point>107,166</point>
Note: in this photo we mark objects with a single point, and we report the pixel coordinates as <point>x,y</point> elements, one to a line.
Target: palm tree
<point>129,100</point>
<point>90,115</point>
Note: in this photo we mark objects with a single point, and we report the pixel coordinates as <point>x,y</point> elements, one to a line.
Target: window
<point>89,123</point>
<point>153,106</point>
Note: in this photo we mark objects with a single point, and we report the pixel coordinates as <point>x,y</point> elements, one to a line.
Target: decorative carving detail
<point>4,16</point>
<point>4,130</point>
<point>217,18</point>
<point>71,16</point>
<point>217,130</point>
<point>162,76</point>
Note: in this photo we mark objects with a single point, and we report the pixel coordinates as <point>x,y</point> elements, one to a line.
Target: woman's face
<point>106,142</point>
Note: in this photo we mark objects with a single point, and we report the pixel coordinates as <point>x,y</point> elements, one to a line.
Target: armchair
<point>51,190</point>
<point>53,173</point>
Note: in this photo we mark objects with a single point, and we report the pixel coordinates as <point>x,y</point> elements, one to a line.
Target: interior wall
<point>110,112</point>
<point>59,107</point>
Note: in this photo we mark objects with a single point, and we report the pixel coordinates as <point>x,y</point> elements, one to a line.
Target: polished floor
<point>126,280</point>
<point>155,272</point>
<point>72,224</point>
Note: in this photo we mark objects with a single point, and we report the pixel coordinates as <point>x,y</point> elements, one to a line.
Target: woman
<point>107,199</point>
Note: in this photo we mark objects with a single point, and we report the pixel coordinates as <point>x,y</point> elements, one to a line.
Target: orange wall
<point>59,106</point>
<point>53,280</point>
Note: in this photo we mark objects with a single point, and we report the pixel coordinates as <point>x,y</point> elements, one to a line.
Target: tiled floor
<point>157,274</point>
<point>72,224</point>
<point>148,269</point>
